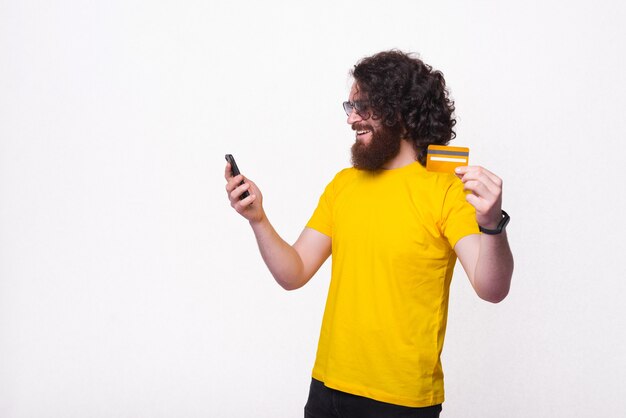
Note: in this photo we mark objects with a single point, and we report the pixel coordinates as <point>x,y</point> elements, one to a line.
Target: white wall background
<point>129,287</point>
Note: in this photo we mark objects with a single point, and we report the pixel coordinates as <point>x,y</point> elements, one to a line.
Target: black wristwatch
<point>503,223</point>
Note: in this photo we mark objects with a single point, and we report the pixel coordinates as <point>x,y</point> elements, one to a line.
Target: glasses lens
<point>347,106</point>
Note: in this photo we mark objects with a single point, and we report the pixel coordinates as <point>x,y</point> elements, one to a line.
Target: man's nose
<point>354,117</point>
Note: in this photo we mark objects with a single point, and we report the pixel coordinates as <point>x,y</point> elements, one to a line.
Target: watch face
<point>504,222</point>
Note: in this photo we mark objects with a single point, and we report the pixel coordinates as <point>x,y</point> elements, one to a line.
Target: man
<point>394,230</point>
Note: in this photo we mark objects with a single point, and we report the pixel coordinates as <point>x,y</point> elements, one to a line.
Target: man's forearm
<point>494,268</point>
<point>281,258</point>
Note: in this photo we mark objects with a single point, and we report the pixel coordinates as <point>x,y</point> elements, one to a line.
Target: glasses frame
<point>361,107</point>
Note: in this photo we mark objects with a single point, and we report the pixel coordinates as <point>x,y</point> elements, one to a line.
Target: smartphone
<point>234,170</point>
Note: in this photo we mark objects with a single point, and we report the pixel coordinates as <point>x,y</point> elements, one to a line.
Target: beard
<point>383,146</point>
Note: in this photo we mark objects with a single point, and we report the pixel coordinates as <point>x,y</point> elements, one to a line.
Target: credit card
<point>444,159</point>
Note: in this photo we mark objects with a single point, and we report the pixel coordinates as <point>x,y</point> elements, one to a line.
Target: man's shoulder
<point>344,175</point>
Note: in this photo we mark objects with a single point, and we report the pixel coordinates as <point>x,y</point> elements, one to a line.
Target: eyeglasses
<point>359,106</point>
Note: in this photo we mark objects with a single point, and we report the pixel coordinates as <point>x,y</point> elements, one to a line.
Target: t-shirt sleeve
<point>458,216</point>
<point>322,216</point>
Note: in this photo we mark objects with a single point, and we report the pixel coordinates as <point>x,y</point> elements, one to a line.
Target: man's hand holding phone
<point>242,192</point>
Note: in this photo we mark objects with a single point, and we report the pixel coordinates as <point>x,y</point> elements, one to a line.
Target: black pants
<point>330,403</point>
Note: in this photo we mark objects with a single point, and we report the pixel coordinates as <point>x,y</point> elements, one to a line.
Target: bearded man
<point>394,231</point>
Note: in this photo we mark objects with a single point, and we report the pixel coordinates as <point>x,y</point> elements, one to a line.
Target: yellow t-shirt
<point>393,235</point>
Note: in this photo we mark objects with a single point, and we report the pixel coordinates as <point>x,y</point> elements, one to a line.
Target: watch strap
<point>503,223</point>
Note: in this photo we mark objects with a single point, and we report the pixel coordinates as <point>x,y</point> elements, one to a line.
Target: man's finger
<point>489,183</point>
<point>243,204</point>
<point>475,171</point>
<point>479,188</point>
<point>238,191</point>
<point>495,179</point>
<point>479,204</point>
<point>492,181</point>
<point>233,182</point>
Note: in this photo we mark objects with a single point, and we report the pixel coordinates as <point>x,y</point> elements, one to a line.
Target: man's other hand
<point>252,212</point>
<point>485,196</point>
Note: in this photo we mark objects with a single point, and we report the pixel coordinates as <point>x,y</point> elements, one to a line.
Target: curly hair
<point>403,89</point>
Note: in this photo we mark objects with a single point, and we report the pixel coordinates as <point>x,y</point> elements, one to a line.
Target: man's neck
<point>405,157</point>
